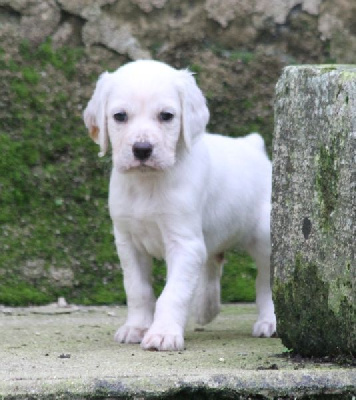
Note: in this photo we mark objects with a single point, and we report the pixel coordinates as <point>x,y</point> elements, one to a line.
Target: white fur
<point>195,197</point>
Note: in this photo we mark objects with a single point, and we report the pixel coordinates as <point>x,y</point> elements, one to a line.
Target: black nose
<point>142,150</point>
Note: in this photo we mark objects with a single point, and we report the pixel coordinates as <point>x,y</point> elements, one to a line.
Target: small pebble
<point>221,359</point>
<point>62,302</point>
<point>64,356</point>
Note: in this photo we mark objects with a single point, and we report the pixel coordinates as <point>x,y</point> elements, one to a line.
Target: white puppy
<point>179,194</point>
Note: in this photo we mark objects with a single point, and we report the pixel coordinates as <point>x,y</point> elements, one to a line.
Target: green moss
<point>306,322</point>
<point>348,75</point>
<point>22,293</point>
<point>324,69</point>
<point>238,280</point>
<point>196,68</point>
<point>53,187</point>
<point>242,55</point>
<point>63,59</point>
<point>102,294</point>
<point>30,75</point>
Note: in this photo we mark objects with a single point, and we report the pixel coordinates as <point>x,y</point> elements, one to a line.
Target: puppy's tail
<point>256,140</point>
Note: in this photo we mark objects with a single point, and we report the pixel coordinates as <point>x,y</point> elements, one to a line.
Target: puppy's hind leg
<point>206,303</point>
<point>260,251</point>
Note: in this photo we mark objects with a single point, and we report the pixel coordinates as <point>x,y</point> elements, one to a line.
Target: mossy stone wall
<point>314,209</point>
<point>55,231</point>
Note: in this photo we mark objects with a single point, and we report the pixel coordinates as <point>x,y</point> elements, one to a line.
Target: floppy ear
<point>195,113</point>
<point>95,114</point>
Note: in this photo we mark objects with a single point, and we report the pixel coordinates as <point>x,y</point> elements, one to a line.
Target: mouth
<point>141,167</point>
<point>144,167</point>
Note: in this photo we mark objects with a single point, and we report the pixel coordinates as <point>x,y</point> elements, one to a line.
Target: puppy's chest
<point>139,213</point>
<point>146,236</point>
<point>142,226</point>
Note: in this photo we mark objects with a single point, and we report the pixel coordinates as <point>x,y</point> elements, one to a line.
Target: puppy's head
<point>146,109</point>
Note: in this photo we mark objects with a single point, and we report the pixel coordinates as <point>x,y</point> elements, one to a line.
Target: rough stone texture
<point>149,5</point>
<point>38,19</point>
<point>68,352</point>
<point>313,216</point>
<point>118,37</point>
<point>236,23</point>
<point>87,9</point>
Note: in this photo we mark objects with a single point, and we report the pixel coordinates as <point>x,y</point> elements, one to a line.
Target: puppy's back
<point>256,140</point>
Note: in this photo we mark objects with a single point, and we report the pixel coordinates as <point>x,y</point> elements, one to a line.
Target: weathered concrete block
<point>313,212</point>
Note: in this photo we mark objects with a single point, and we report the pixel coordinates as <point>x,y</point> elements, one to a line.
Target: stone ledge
<point>51,352</point>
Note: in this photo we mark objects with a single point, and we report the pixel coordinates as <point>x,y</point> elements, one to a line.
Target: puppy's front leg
<point>167,330</point>
<point>137,268</point>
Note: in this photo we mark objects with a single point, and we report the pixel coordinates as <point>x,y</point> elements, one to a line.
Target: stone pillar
<point>313,212</point>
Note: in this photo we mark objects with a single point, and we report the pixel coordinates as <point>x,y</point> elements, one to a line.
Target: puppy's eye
<point>121,116</point>
<point>165,116</point>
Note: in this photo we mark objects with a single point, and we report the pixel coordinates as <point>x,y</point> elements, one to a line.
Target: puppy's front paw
<point>162,342</point>
<point>130,334</point>
<point>264,327</point>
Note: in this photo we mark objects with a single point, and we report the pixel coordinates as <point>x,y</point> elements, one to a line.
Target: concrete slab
<point>69,352</point>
